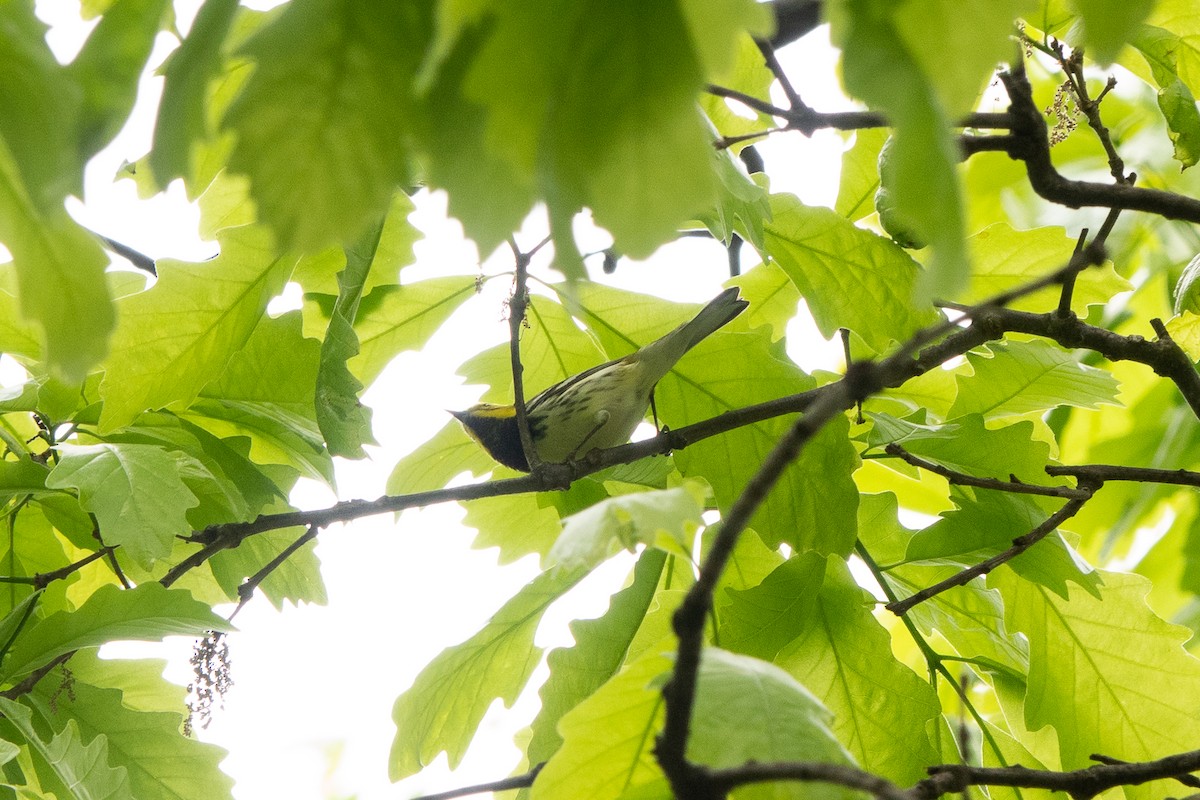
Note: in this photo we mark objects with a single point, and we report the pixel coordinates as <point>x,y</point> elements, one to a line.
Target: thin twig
<point>518,303</point>
<point>247,588</point>
<point>135,257</point>
<point>962,479</point>
<point>789,91</point>
<point>1019,546</point>
<point>1031,144</point>
<point>522,781</point>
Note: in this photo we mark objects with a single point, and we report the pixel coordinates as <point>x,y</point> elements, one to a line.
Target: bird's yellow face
<point>494,428</point>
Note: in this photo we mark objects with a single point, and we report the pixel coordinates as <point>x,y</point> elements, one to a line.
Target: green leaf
<point>136,492</point>
<point>885,62</point>
<point>269,398</point>
<point>229,486</point>
<point>620,721</point>
<point>1107,24</point>
<point>881,710</point>
<point>749,75</point>
<point>486,191</point>
<point>317,273</point>
<point>1185,330</point>
<point>21,477</point>
<point>970,617</point>
<point>967,446</point>
<point>835,264</point>
<point>763,619</point>
<point>600,648</point>
<point>403,318</point>
<point>82,772</point>
<point>345,422</point>
<point>60,273</point>
<point>575,111</point>
<point>181,117</point>
<point>860,175</point>
<point>213,308</point>
<point>1187,291</point>
<point>751,710</point>
<point>879,527</point>
<point>667,519</point>
<point>985,524</point>
<point>145,613</point>
<point>431,466</point>
<point>18,336</point>
<point>517,524</point>
<point>40,108</point>
<point>1003,258</point>
<point>1175,99</point>
<point>109,66</point>
<point>1014,378</point>
<point>742,205</point>
<point>322,123</point>
<point>130,705</point>
<point>445,704</point>
<point>1108,674</point>
<point>298,579</point>
<point>772,296</point>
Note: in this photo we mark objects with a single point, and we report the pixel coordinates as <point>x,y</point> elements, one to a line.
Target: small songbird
<point>599,407</point>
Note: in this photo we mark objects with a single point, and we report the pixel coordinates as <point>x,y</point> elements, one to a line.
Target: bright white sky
<point>309,713</point>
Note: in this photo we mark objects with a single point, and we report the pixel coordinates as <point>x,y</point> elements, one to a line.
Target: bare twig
<point>1031,145</point>
<point>517,305</point>
<point>962,479</point>
<point>522,781</point>
<point>246,589</point>
<point>1019,546</point>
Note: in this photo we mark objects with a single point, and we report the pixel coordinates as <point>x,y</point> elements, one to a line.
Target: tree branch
<point>962,479</point>
<point>1031,144</point>
<point>522,781</point>
<point>1019,546</point>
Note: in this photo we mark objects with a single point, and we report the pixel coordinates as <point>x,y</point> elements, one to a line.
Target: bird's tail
<point>660,356</point>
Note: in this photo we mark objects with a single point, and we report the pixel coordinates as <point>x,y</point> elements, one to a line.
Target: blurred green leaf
<point>324,121</point>
<point>1108,24</point>
<point>666,518</point>
<point>109,66</point>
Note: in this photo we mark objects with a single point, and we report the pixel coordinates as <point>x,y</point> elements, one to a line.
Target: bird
<point>599,407</point>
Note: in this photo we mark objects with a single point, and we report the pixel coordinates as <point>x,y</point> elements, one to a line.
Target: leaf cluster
<point>1007,461</point>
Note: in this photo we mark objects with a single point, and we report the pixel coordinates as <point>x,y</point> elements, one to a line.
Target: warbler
<point>598,408</point>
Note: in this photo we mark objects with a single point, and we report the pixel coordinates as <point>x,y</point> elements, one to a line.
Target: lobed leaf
<point>145,613</point>
<point>666,518</point>
<point>136,492</point>
<point>64,764</point>
<point>1014,378</point>
<point>442,709</point>
<point>323,123</point>
<point>600,648</point>
<point>180,335</point>
<point>1108,674</point>
<point>849,277</point>
<point>882,712</point>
